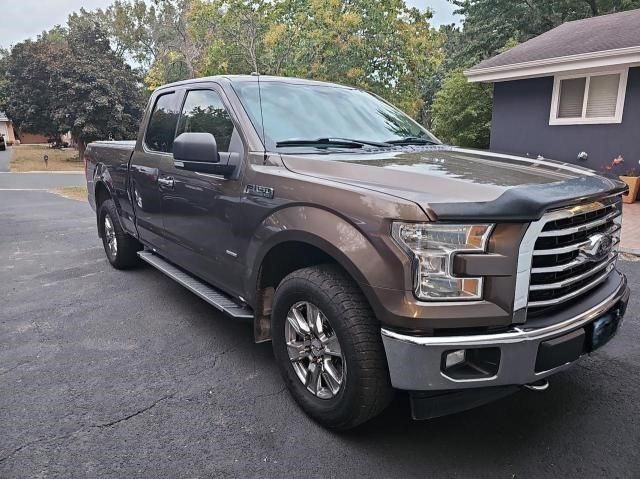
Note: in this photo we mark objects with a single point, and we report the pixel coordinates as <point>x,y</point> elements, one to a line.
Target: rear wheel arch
<point>102,193</point>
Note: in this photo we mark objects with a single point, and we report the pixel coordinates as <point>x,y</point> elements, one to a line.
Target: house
<point>571,94</point>
<point>6,129</point>
<point>26,138</point>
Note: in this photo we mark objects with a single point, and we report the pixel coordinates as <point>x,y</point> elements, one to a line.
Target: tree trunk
<point>593,5</point>
<point>82,146</point>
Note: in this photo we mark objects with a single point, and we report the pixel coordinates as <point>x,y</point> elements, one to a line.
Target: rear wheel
<point>120,247</point>
<point>328,347</point>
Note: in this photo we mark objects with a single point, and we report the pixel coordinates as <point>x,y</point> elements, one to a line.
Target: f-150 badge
<point>257,190</point>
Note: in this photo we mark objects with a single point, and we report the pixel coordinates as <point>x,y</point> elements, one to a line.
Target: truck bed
<point>112,156</point>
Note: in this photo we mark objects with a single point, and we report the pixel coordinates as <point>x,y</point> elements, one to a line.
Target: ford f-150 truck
<point>374,257</point>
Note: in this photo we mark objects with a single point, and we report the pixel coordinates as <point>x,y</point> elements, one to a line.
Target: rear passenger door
<point>148,160</point>
<point>199,208</point>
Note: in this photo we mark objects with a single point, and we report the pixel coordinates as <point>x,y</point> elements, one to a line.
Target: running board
<point>211,295</point>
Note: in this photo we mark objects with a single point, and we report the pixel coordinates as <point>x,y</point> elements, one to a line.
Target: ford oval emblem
<point>598,247</point>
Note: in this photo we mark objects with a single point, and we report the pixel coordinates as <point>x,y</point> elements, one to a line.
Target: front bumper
<point>416,362</point>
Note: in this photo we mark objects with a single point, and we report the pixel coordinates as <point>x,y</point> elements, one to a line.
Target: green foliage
<point>70,79</point>
<point>379,45</point>
<point>30,89</point>
<point>490,24</point>
<point>131,27</point>
<point>154,35</point>
<point>462,111</point>
<point>77,78</point>
<point>4,81</point>
<point>100,95</point>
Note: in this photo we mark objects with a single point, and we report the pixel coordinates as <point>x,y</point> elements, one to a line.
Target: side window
<point>204,112</point>
<point>162,124</point>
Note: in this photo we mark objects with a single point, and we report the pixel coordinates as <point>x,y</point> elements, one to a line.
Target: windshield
<point>306,112</point>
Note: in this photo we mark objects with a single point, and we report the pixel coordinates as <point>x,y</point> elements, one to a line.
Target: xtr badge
<point>258,190</point>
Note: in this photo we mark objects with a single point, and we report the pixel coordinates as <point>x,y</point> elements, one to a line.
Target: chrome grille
<point>575,250</point>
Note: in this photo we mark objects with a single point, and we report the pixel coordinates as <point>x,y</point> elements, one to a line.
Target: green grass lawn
<point>30,158</point>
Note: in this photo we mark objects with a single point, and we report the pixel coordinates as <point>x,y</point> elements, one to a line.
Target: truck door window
<point>162,124</point>
<point>204,112</point>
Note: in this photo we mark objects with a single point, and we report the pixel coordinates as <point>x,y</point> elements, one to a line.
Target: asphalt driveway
<point>126,374</point>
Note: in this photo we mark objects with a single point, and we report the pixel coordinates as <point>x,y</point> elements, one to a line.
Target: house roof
<point>612,39</point>
<point>3,117</point>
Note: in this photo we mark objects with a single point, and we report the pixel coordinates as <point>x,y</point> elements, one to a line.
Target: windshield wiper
<point>412,140</point>
<point>331,142</point>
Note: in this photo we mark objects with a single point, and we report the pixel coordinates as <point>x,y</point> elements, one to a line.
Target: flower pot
<point>633,182</point>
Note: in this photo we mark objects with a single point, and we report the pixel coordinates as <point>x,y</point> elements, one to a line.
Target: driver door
<point>199,208</point>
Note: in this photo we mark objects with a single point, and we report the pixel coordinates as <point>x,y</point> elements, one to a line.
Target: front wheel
<point>328,347</point>
<point>120,247</point>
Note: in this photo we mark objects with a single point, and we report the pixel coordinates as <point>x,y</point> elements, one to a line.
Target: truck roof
<point>254,78</point>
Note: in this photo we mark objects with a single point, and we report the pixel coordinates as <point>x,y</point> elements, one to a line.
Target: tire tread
<point>128,246</point>
<point>375,392</point>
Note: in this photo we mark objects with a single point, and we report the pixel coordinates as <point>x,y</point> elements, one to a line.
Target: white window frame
<point>583,120</point>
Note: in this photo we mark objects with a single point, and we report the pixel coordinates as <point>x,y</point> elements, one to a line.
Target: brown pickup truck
<point>374,257</point>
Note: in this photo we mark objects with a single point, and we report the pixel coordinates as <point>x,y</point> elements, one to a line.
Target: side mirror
<point>199,152</point>
<point>200,147</point>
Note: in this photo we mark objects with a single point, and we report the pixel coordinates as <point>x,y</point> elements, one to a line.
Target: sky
<point>22,19</point>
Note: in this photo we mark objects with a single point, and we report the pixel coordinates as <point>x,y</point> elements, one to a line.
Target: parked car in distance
<point>374,257</point>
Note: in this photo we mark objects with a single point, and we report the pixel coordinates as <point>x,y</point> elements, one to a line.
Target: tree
<point>70,79</point>
<point>99,95</point>
<point>30,92</point>
<point>382,46</point>
<point>490,24</point>
<point>379,45</point>
<point>232,33</point>
<point>4,81</point>
<point>450,37</point>
<point>154,35</point>
<point>462,111</point>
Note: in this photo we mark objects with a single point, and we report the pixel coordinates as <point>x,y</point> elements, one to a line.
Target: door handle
<point>167,182</point>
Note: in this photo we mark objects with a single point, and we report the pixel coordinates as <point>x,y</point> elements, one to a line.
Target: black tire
<point>366,388</point>
<point>125,256</point>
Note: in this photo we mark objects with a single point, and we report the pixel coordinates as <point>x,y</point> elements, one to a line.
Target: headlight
<point>433,247</point>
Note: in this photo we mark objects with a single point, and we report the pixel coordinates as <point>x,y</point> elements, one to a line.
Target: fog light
<point>470,364</point>
<point>454,358</point>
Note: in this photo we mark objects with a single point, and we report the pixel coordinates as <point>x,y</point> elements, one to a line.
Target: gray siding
<point>520,125</point>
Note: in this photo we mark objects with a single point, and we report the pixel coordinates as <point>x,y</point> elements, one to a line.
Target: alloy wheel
<point>314,350</point>
<point>111,240</point>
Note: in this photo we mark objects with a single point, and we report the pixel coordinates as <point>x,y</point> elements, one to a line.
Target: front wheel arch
<point>290,255</point>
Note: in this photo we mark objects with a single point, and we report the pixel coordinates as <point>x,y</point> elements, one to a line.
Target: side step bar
<point>211,295</point>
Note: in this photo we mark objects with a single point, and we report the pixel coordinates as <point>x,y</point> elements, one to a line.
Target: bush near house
<point>462,112</point>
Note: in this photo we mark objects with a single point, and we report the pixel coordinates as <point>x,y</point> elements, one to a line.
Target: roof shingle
<point>596,34</point>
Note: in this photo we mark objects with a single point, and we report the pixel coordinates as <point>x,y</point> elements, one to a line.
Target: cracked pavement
<point>126,374</point>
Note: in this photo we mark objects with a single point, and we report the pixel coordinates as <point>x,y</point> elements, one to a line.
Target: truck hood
<point>451,183</point>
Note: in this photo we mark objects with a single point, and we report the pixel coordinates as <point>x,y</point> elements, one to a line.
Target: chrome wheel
<point>314,350</point>
<point>110,237</point>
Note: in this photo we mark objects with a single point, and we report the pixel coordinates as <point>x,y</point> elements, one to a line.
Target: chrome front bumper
<point>415,361</point>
